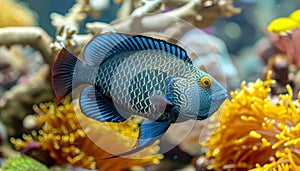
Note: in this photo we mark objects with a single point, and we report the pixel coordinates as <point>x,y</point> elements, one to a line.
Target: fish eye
<point>205,82</point>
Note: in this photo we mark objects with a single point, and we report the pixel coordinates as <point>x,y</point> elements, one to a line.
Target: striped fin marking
<point>96,106</point>
<point>103,46</point>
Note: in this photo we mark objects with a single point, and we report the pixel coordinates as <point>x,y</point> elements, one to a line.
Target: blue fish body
<point>138,75</point>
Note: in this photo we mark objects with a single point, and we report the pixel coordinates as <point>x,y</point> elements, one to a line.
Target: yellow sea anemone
<point>66,134</point>
<point>254,133</point>
<point>15,13</point>
<point>282,25</point>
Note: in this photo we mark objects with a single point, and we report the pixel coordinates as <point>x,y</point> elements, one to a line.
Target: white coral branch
<point>35,37</point>
<point>201,13</point>
<point>99,5</point>
<point>126,9</point>
<point>147,7</point>
<point>68,25</point>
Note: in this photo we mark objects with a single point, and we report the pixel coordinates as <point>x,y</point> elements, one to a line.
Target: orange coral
<point>15,14</point>
<point>255,133</point>
<point>73,138</point>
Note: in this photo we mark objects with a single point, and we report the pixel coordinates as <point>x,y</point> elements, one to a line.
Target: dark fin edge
<point>94,105</point>
<point>63,74</point>
<point>104,45</point>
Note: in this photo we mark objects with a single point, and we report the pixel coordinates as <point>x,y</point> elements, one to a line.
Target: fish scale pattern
<point>133,77</point>
<point>146,84</point>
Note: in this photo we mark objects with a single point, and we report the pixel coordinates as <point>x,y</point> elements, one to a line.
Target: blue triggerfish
<point>137,75</point>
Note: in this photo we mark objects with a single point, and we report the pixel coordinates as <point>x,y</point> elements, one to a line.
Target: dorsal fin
<point>104,45</point>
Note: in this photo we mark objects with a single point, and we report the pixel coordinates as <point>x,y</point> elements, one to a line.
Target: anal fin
<point>149,132</point>
<point>94,105</point>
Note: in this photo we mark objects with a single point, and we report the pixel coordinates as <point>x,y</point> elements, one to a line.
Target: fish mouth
<point>217,99</point>
<point>220,95</point>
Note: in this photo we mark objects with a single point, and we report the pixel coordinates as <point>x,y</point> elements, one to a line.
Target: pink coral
<point>288,44</point>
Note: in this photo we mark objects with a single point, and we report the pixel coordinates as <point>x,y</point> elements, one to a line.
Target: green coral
<point>23,164</point>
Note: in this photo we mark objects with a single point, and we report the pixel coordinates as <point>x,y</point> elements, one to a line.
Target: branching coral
<point>188,10</point>
<point>35,37</point>
<point>254,133</point>
<point>68,26</point>
<point>196,12</point>
<point>14,104</point>
<point>66,135</point>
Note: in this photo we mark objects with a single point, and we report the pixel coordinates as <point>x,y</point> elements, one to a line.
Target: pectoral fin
<point>160,102</point>
<point>94,105</point>
<point>150,132</point>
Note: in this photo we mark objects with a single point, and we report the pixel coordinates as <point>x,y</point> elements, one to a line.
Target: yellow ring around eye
<point>205,82</point>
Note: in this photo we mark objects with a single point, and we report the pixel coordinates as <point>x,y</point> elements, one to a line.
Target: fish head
<point>198,98</point>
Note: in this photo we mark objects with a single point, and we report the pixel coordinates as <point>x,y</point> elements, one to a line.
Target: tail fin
<point>63,74</point>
